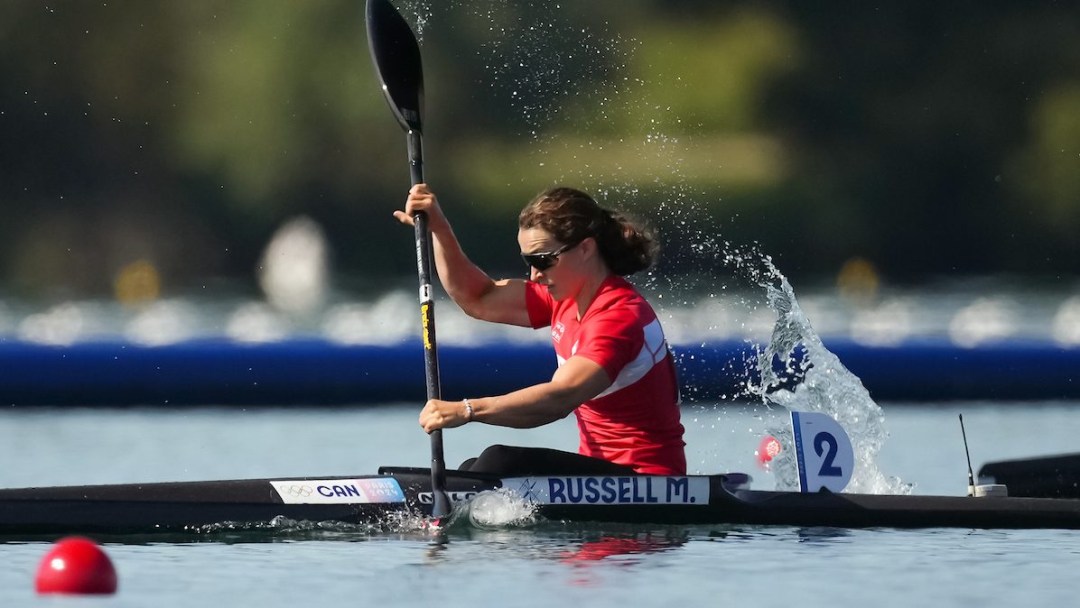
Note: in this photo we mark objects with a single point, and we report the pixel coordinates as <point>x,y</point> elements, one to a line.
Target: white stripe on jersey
<point>652,352</point>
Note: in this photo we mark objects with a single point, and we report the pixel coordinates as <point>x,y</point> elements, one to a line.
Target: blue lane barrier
<point>315,371</point>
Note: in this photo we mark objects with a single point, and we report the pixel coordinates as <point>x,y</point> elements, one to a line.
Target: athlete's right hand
<point>421,198</point>
<point>438,414</point>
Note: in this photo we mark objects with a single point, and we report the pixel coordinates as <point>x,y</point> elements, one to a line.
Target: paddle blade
<point>396,55</point>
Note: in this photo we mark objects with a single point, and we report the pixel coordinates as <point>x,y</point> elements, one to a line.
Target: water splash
<point>402,522</point>
<point>798,373</point>
<point>536,55</point>
<point>496,509</point>
<point>545,66</point>
<point>420,12</point>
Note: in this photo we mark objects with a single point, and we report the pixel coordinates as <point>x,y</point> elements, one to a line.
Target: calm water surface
<point>545,563</point>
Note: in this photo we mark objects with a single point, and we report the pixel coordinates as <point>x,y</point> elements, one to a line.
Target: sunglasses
<point>546,259</point>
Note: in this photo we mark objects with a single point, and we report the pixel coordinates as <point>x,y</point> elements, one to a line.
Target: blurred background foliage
<point>929,138</point>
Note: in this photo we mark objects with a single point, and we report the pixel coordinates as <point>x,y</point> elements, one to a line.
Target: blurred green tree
<point>928,138</point>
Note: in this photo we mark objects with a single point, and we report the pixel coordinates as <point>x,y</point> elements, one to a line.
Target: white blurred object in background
<point>984,320</point>
<point>294,269</point>
<point>886,325</point>
<point>60,325</point>
<point>256,322</point>
<point>163,322</point>
<point>1066,329</point>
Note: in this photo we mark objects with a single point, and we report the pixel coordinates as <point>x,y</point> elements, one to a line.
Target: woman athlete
<point>615,372</point>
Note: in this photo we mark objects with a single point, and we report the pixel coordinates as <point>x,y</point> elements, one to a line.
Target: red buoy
<point>76,565</point>
<point>768,449</point>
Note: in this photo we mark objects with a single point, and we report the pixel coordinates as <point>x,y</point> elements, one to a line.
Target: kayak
<point>1055,476</point>
<point>372,500</point>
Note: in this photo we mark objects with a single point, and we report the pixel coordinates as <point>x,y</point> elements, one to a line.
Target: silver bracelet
<point>468,410</point>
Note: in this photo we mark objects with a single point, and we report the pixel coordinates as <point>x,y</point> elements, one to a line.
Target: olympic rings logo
<point>298,491</point>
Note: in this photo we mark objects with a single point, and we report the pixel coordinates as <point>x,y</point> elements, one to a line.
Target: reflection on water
<point>578,543</point>
<point>604,546</point>
<point>821,535</point>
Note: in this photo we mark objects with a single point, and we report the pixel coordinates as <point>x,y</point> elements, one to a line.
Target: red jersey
<point>635,421</point>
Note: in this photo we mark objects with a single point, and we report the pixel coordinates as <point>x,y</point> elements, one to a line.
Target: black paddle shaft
<point>396,55</point>
<point>427,323</point>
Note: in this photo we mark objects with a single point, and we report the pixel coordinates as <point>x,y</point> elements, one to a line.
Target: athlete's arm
<point>575,382</point>
<point>470,287</point>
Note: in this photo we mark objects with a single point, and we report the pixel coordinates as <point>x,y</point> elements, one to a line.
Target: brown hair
<point>571,216</point>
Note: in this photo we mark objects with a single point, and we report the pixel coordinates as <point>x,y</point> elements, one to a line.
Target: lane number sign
<point>823,452</point>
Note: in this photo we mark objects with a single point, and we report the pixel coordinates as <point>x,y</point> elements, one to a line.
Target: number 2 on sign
<point>825,445</point>
<point>822,451</point>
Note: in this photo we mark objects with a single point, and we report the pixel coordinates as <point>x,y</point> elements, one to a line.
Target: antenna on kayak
<point>985,490</point>
<point>971,476</point>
